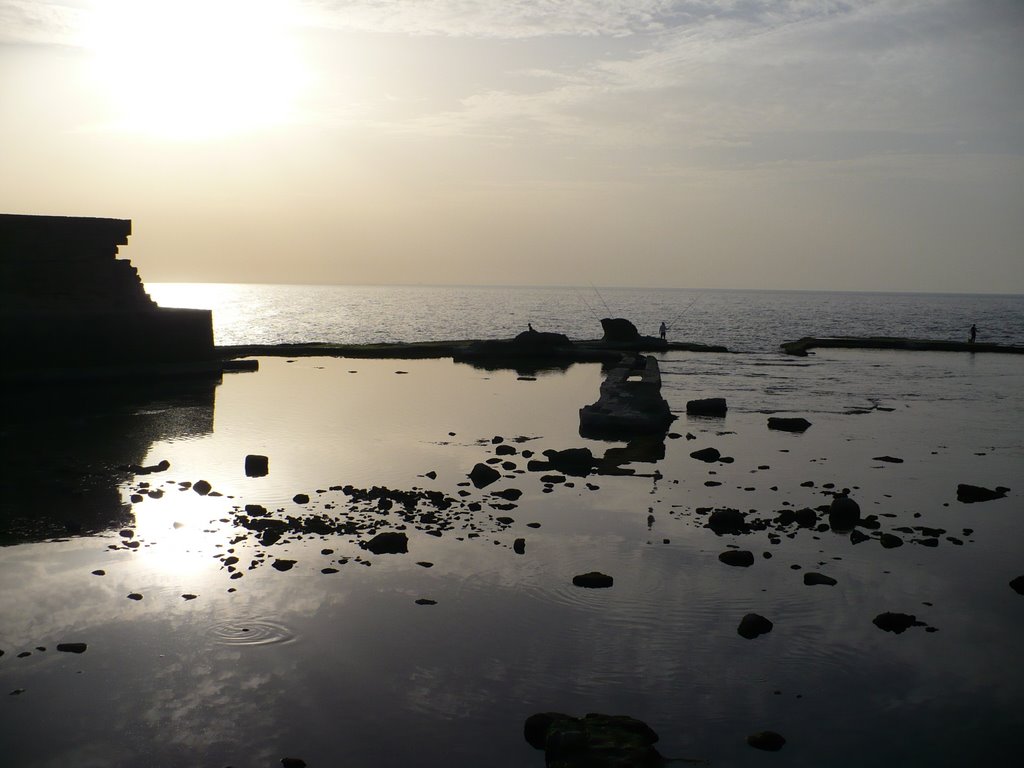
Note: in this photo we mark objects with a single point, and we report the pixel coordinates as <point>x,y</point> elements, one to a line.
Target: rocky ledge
<point>800,347</point>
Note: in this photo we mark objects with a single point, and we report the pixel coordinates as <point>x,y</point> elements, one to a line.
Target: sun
<point>196,69</point>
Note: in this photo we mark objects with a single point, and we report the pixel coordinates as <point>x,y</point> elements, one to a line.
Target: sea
<point>743,321</point>
<point>164,605</point>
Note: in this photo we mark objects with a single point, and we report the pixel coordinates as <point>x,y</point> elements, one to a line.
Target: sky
<point>781,144</point>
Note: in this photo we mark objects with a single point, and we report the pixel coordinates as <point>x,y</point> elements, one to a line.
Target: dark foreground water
<point>345,668</point>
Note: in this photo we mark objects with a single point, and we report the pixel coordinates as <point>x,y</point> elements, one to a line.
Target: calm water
<point>345,668</point>
<point>740,320</point>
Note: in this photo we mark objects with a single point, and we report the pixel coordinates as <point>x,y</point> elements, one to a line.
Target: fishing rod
<point>607,308</point>
<point>687,309</point>
<point>579,295</point>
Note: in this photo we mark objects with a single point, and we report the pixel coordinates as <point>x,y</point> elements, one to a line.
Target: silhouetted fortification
<point>68,303</point>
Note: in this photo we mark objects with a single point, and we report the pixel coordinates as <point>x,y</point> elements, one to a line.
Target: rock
<point>483,475</point>
<point>72,647</point>
<point>426,601</point>
<point>1018,585</point>
<point>519,546</point>
<point>618,329</point>
<point>812,579</point>
<point>711,406</point>
<point>505,450</point>
<point>753,625</point>
<point>889,459</point>
<point>706,454</point>
<point>969,494</point>
<point>788,425</point>
<point>293,762</point>
<point>593,580</point>
<point>301,498</point>
<point>134,596</point>
<point>189,596</point>
<point>594,741</point>
<point>737,557</point>
<point>896,622</point>
<point>99,572</point>
<point>283,565</point>
<point>256,465</point>
<point>511,494</point>
<point>727,521</point>
<point>856,537</point>
<point>843,512</point>
<point>202,487</point>
<point>388,543</point>
<point>577,462</point>
<point>770,741</point>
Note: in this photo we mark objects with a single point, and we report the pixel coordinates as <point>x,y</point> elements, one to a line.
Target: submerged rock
<point>797,424</point>
<point>813,579</point>
<point>770,741</point>
<point>754,624</point>
<point>711,406</point>
<point>738,557</point>
<point>896,622</point>
<point>593,580</point>
<point>388,543</point>
<point>969,494</point>
<point>594,741</point>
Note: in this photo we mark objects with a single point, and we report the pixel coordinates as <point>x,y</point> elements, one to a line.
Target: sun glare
<point>196,69</point>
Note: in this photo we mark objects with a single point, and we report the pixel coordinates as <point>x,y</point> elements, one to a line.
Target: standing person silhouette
<point>663,330</point>
<point>974,333</point>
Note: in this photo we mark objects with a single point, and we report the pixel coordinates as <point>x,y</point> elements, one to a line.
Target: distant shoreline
<point>801,347</point>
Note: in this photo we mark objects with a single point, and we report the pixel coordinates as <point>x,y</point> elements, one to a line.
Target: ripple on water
<point>251,631</point>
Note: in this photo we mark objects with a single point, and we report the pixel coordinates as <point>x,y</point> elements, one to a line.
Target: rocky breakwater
<point>630,402</point>
<point>68,305</point>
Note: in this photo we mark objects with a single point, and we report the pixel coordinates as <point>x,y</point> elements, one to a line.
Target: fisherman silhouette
<point>663,330</point>
<point>974,333</point>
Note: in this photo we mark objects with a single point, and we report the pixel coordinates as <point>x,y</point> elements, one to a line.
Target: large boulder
<point>710,406</point>
<point>619,329</point>
<point>483,475</point>
<point>843,513</point>
<point>388,543</point>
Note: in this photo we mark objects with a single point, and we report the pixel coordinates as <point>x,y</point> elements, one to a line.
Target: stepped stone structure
<point>68,303</point>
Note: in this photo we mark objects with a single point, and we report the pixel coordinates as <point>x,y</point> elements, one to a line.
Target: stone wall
<point>66,300</point>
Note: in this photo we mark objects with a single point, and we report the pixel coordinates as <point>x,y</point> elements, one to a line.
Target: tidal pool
<point>217,661</point>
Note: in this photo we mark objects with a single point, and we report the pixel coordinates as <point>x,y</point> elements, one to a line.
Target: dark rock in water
<point>283,565</point>
<point>843,513</point>
<point>706,454</point>
<point>134,596</point>
<point>797,424</point>
<point>805,517</point>
<point>630,402</point>
<point>519,546</point>
<point>256,465</point>
<point>753,625</point>
<point>505,450</point>
<point>72,647</point>
<point>99,572</point>
<point>889,459</point>
<point>896,622</point>
<point>293,762</point>
<point>711,406</point>
<point>388,543</point>
<point>511,494</point>
<point>593,580</point>
<point>738,557</point>
<point>813,579</point>
<point>594,741</point>
<point>301,498</point>
<point>127,533</point>
<point>577,462</point>
<point>890,540</point>
<point>189,596</point>
<point>619,329</point>
<point>256,510</point>
<point>426,601</point>
<point>202,487</point>
<point>727,521</point>
<point>1018,585</point>
<point>969,494</point>
<point>483,475</point>
<point>770,741</point>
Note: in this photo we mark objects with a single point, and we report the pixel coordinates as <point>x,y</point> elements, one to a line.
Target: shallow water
<point>346,669</point>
